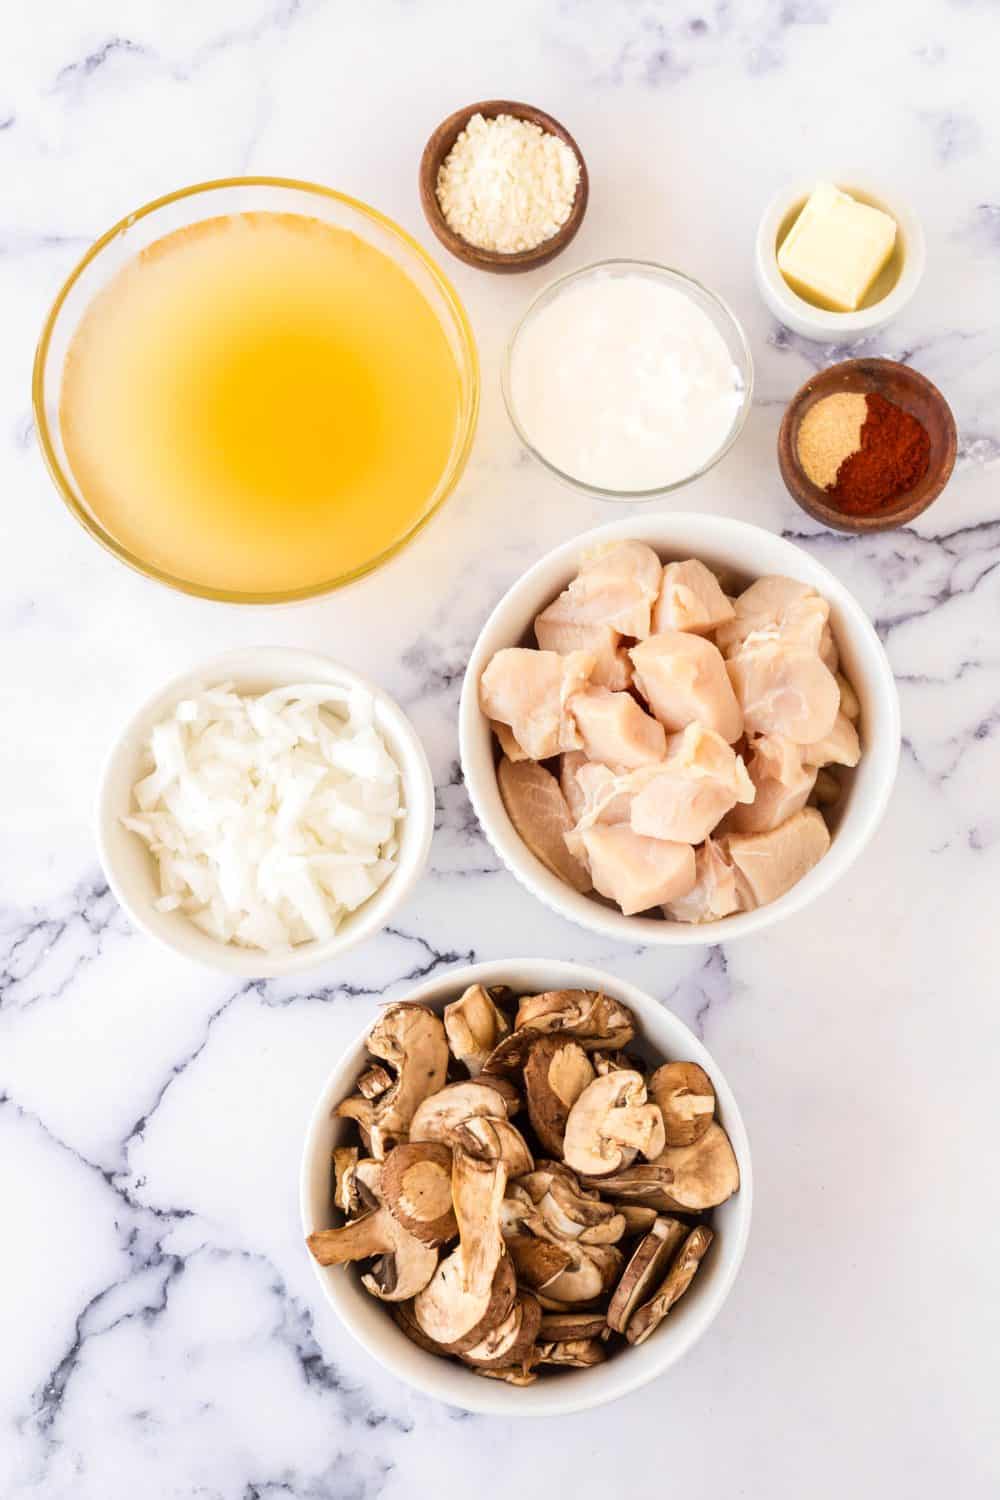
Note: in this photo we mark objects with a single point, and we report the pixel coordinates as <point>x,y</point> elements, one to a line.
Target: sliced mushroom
<point>495,1140</point>
<point>571,1212</point>
<point>610,1122</point>
<point>686,1098</point>
<point>510,1055</point>
<point>679,1278</point>
<point>411,1039</point>
<point>405,1264</point>
<point>537,1261</point>
<point>345,1191</point>
<point>374,1081</point>
<point>645,1270</point>
<point>509,1345</point>
<point>438,1117</point>
<point>705,1174</point>
<point>402,1312</point>
<point>638,1218</point>
<point>474,1025</point>
<point>559,1328</point>
<point>682,1179</point>
<point>509,1377</point>
<point>555,1075</point>
<point>473,1289</point>
<point>416,1188</point>
<point>594,1019</point>
<point>577,1352</point>
<point>593,1270</point>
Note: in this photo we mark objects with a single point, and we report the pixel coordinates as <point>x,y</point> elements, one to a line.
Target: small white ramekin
<point>813,322</point>
<point>131,869</point>
<point>747,552</point>
<point>661,1036</point>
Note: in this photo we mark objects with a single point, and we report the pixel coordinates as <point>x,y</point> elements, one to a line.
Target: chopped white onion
<point>271,818</point>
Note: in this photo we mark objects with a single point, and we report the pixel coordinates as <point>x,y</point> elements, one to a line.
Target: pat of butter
<point>836,248</point>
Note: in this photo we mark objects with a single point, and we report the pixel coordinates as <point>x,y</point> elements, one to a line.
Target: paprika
<point>892,457</point>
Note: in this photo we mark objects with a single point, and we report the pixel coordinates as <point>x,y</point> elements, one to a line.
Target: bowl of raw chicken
<point>678,729</point>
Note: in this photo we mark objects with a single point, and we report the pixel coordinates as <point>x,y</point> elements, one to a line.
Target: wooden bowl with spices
<point>503,185</point>
<point>867,445</point>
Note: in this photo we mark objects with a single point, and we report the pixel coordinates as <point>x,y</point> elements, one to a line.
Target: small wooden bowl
<point>899,384</point>
<point>437,149</point>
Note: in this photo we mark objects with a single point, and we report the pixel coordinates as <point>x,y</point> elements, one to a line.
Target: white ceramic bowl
<point>748,552</point>
<point>813,322</point>
<point>131,869</point>
<point>661,1036</point>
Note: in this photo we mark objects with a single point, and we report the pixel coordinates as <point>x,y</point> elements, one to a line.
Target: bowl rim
<point>457,460</point>
<point>607,921</point>
<point>813,500</point>
<point>371,917</point>
<point>546,1398</point>
<point>824,324</point>
<point>436,151</point>
<point>669,274</point>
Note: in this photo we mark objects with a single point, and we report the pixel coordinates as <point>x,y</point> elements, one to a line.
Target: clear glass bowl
<point>208,200</point>
<point>723,319</point>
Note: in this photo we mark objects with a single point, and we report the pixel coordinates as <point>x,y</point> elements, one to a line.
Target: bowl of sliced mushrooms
<point>526,1189</point>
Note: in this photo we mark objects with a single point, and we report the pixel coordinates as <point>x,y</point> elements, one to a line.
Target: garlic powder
<point>506,184</point>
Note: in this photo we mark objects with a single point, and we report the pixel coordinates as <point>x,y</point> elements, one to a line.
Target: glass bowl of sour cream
<point>628,379</point>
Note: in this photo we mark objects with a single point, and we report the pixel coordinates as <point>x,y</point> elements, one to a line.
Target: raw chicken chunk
<point>537,809</point>
<point>528,691</point>
<point>508,744</point>
<point>784,689</point>
<point>713,894</point>
<point>849,704</point>
<point>841,747</point>
<point>616,586</point>
<point>783,785</point>
<point>684,798</point>
<point>605,799</point>
<point>637,872</point>
<point>691,598</point>
<point>612,668</point>
<point>569,764</point>
<point>772,606</point>
<point>683,679</point>
<point>769,864</point>
<point>615,730</point>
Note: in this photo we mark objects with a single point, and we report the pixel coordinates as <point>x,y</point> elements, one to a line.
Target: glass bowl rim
<point>669,273</point>
<point>450,477</point>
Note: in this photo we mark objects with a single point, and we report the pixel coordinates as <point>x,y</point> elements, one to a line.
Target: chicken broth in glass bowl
<point>677,730</point>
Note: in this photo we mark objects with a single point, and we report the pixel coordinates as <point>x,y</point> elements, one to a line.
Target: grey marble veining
<point>162,1333</point>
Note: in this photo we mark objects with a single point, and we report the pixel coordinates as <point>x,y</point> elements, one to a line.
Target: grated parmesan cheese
<point>506,184</point>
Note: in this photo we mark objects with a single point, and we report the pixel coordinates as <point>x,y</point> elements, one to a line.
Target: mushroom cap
<point>438,1117</point>
<point>684,1092</point>
<point>680,1276</point>
<point>416,1189</point>
<point>610,1122</point>
<point>593,1270</point>
<point>556,1072</point>
<point>595,1019</point>
<point>645,1270</point>
<point>639,1219</point>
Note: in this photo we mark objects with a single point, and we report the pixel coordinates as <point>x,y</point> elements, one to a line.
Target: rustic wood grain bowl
<point>899,384</point>
<point>437,149</point>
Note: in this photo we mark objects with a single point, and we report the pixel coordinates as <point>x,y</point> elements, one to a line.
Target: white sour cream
<point>623,382</point>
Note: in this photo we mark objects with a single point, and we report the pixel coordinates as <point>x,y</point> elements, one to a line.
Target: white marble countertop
<point>161,1330</point>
